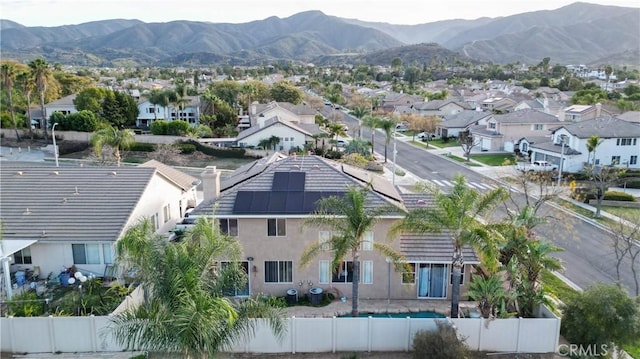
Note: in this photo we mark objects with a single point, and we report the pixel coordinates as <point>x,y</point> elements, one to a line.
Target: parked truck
<point>536,166</point>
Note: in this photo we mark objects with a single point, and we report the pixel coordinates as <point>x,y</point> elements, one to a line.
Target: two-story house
<point>498,104</point>
<point>74,215</point>
<point>452,125</point>
<point>264,205</point>
<point>502,132</point>
<point>148,112</point>
<point>620,144</point>
<point>441,108</point>
<point>390,101</point>
<point>577,113</point>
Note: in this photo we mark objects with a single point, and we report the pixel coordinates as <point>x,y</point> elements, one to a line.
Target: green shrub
<point>218,152</point>
<point>374,166</point>
<point>177,128</point>
<point>143,147</point>
<point>66,147</point>
<point>633,184</point>
<point>442,343</point>
<point>26,304</point>
<point>159,127</point>
<point>618,196</point>
<point>187,148</point>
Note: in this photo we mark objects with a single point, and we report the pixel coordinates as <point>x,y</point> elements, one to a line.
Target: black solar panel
<point>243,202</point>
<point>296,181</point>
<point>295,202</point>
<point>280,181</point>
<point>277,201</point>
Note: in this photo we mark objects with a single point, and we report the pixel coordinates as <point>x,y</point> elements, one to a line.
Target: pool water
<point>398,315</point>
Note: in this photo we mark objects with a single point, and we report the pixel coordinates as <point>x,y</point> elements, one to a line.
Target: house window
<point>229,226</point>
<point>492,125</point>
<point>167,212</point>
<point>344,273</point>
<point>151,110</point>
<point>461,276</point>
<point>633,160</point>
<point>22,256</point>
<point>234,288</point>
<point>409,273</point>
<point>538,127</point>
<point>154,219</point>
<point>278,271</point>
<point>367,241</point>
<point>432,280</point>
<point>107,253</point>
<point>367,272</point>
<point>615,160</point>
<point>323,278</point>
<point>626,141</point>
<point>86,253</point>
<point>324,238</point>
<point>276,227</point>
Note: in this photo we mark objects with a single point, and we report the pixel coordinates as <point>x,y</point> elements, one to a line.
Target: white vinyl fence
<point>304,335</point>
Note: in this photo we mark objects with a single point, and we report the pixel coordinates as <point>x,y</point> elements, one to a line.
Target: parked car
<point>536,166</point>
<point>401,127</point>
<point>425,135</point>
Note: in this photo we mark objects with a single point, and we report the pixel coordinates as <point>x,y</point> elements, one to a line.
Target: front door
<point>432,280</point>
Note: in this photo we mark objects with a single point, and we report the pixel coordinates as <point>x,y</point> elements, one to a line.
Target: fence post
<point>369,334</point>
<point>408,328</point>
<point>12,333</point>
<point>480,334</point>
<point>334,334</point>
<point>94,332</point>
<point>293,335</point>
<point>518,337</point>
<point>52,334</point>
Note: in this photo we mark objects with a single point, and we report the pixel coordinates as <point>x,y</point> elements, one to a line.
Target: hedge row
<point>218,152</point>
<point>143,147</point>
<point>618,196</point>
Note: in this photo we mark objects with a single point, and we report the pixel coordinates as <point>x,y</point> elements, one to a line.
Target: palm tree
<point>155,98</point>
<point>388,125</point>
<point>335,130</point>
<point>350,219</point>
<point>371,122</point>
<point>360,112</point>
<point>488,292</point>
<point>455,215</point>
<point>28,85</point>
<point>8,79</point>
<point>41,71</point>
<point>334,98</point>
<point>118,140</point>
<point>592,143</point>
<point>183,309</point>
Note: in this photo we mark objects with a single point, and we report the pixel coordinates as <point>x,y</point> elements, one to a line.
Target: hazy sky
<point>65,12</point>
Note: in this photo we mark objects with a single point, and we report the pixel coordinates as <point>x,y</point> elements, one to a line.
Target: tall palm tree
<point>592,143</point>
<point>360,112</point>
<point>28,85</point>
<point>9,74</point>
<point>155,99</point>
<point>488,292</point>
<point>349,219</point>
<point>41,72</point>
<point>335,130</point>
<point>118,140</point>
<point>455,215</point>
<point>371,122</point>
<point>388,125</point>
<point>183,309</point>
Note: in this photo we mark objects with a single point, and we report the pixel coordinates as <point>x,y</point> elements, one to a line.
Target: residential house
<point>68,216</point>
<point>390,101</point>
<point>452,125</point>
<point>265,203</point>
<point>63,105</point>
<point>297,114</point>
<point>620,144</point>
<point>498,104</point>
<point>543,104</point>
<point>502,132</point>
<point>630,116</point>
<point>578,113</point>
<point>149,112</point>
<point>441,108</point>
<point>292,135</point>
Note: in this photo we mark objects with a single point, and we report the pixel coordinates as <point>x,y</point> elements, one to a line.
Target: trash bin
<point>64,278</point>
<point>20,278</point>
<point>316,296</point>
<point>292,296</point>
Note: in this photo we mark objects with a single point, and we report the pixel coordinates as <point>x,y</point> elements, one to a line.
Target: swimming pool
<point>425,314</point>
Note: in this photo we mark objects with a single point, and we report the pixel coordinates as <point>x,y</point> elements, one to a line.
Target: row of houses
<point>79,213</point>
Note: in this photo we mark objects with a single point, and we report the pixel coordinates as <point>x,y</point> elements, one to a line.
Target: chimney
<point>561,115</point>
<point>210,183</point>
<point>598,110</point>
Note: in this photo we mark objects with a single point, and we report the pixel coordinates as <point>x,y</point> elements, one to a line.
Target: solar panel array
<point>288,181</point>
<point>279,202</point>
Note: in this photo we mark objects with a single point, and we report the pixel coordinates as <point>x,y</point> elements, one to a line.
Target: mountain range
<point>578,33</point>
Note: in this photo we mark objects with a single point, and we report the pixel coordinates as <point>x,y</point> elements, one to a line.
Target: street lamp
<point>55,148</point>
<point>562,141</point>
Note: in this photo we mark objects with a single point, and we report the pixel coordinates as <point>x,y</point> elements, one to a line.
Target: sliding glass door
<point>432,280</point>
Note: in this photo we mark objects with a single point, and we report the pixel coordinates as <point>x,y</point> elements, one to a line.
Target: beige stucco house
<point>502,132</point>
<point>265,203</point>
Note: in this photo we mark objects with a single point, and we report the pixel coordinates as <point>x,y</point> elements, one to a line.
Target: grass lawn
<point>555,287</point>
<point>420,144</point>
<point>633,350</point>
<point>622,211</point>
<point>462,160</point>
<point>442,144</point>
<point>585,212</point>
<point>494,159</point>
